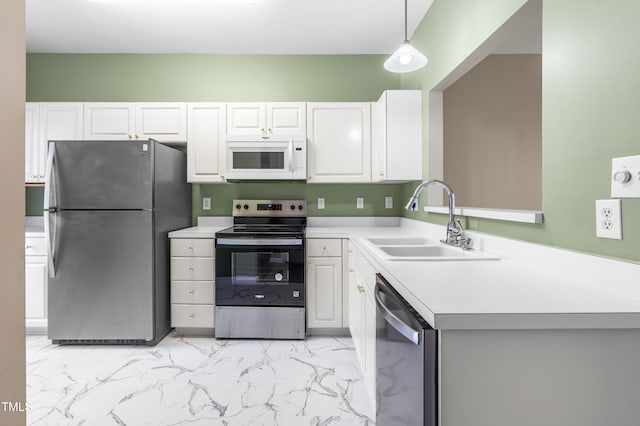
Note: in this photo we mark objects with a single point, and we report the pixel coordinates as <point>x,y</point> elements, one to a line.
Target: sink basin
<point>433,253</point>
<point>401,241</point>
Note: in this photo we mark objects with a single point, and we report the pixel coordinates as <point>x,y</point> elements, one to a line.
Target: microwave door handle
<point>291,168</point>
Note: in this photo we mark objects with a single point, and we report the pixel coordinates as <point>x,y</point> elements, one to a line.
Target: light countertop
<point>494,294</point>
<point>514,292</point>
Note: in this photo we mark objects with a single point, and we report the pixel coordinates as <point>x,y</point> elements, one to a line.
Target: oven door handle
<point>258,242</point>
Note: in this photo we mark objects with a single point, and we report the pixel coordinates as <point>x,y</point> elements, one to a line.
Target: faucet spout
<point>455,233</point>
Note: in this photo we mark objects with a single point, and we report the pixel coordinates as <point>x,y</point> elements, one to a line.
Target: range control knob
<point>622,176</point>
<point>293,207</point>
<point>300,207</point>
<point>246,206</point>
<point>238,206</point>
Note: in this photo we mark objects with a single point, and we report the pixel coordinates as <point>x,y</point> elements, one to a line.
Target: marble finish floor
<point>197,381</point>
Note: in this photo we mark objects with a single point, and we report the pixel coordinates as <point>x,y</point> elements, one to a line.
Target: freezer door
<point>103,287</point>
<point>88,175</point>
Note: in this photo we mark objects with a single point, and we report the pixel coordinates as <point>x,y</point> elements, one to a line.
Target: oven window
<point>258,160</point>
<point>250,268</point>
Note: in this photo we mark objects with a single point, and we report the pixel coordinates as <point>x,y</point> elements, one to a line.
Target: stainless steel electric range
<point>260,271</point>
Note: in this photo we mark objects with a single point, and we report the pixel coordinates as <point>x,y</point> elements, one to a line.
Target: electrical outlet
<point>320,203</point>
<point>388,202</point>
<point>360,203</point>
<point>608,219</point>
<point>206,203</point>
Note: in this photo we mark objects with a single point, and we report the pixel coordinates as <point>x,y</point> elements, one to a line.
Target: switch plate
<point>388,202</point>
<point>608,219</point>
<point>206,203</point>
<point>320,203</point>
<point>360,203</point>
<point>619,188</point>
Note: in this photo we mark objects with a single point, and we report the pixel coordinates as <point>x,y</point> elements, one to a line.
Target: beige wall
<point>493,134</point>
<point>12,88</point>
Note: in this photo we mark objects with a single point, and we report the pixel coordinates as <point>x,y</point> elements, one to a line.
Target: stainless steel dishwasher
<point>406,362</point>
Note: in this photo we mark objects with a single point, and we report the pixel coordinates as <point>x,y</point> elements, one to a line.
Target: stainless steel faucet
<point>455,233</point>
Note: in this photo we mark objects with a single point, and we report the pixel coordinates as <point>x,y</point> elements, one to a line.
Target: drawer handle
<point>360,288</point>
<point>191,248</point>
<point>29,247</point>
<point>350,270</point>
<point>191,268</point>
<point>192,292</point>
<point>192,316</point>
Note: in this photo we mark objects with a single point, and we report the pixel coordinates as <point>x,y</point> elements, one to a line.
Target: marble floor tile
<point>197,381</point>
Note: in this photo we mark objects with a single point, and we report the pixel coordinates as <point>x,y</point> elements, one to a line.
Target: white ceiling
<point>220,26</point>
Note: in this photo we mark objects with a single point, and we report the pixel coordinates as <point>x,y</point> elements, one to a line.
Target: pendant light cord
<point>405,21</point>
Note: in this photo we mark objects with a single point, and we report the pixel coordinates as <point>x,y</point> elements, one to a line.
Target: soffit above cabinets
<point>220,26</point>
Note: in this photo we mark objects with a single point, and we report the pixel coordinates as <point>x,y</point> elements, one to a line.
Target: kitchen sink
<point>432,253</point>
<point>402,241</point>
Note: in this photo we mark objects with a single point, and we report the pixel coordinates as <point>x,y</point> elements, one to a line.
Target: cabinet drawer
<point>192,269</point>
<point>324,247</point>
<point>192,316</point>
<point>193,292</point>
<point>192,247</point>
<point>35,246</point>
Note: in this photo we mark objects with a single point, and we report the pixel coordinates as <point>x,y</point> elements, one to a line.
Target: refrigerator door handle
<point>49,210</point>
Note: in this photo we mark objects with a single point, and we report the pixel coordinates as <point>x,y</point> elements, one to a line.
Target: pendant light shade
<point>406,58</point>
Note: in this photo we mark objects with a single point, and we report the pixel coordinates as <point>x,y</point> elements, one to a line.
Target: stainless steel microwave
<point>277,158</point>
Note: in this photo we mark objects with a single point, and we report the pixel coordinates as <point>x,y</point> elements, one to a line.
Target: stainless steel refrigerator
<point>109,206</point>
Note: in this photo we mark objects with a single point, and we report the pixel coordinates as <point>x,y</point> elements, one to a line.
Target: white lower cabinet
<point>35,283</point>
<point>362,317</point>
<point>192,284</point>
<point>324,283</point>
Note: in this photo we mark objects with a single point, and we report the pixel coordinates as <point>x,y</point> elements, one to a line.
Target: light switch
<point>320,203</point>
<point>360,203</point>
<point>625,177</point>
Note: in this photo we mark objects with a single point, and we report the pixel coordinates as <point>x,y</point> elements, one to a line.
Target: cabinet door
<point>207,124</point>
<point>324,292</point>
<point>109,120</point>
<point>286,118</point>
<point>32,143</point>
<point>36,290</point>
<point>339,142</point>
<point>369,342</point>
<point>162,121</point>
<point>356,316</point>
<point>56,121</point>
<point>397,136</point>
<point>246,118</point>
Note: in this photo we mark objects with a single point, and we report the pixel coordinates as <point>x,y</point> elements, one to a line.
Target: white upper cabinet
<point>206,124</point>
<point>109,120</point>
<point>339,142</point>
<point>162,121</point>
<point>266,119</point>
<point>47,121</point>
<point>397,136</point>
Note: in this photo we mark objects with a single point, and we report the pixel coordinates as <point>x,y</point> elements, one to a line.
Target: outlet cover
<point>608,219</point>
<point>206,203</point>
<point>360,203</point>
<point>320,203</point>
<point>388,202</point>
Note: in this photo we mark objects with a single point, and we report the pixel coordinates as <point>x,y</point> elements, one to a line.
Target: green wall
<point>127,78</point>
<point>590,109</point>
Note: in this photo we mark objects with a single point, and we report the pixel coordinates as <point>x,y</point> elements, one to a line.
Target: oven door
<point>260,272</point>
<point>270,160</point>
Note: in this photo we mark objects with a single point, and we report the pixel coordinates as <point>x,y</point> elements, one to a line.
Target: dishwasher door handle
<point>402,327</point>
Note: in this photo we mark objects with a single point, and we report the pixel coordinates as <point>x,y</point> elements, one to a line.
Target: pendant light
<point>407,58</point>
